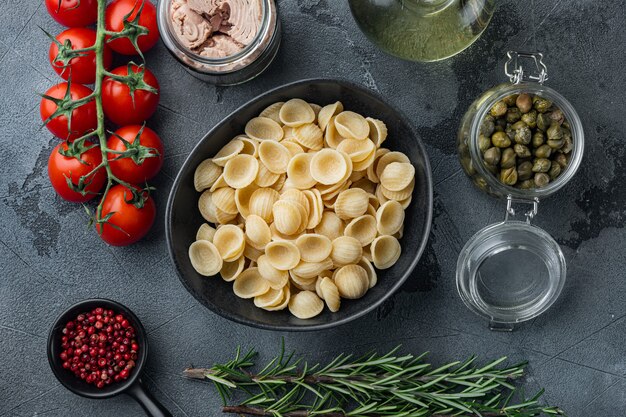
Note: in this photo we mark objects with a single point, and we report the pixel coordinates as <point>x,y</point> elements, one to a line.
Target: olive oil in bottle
<point>422,30</point>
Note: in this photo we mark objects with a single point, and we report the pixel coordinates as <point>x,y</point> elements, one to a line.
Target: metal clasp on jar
<point>517,73</point>
<point>529,215</point>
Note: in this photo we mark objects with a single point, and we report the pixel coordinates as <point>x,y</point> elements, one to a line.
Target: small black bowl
<point>183,217</point>
<point>133,386</point>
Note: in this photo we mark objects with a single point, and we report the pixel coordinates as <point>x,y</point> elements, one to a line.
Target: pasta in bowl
<point>312,202</point>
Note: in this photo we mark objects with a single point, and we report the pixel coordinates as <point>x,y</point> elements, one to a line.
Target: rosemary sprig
<point>372,385</point>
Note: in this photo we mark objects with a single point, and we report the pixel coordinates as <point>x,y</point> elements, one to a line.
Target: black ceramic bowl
<point>183,218</point>
<point>132,386</point>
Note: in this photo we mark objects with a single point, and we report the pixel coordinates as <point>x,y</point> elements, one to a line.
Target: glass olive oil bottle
<point>422,30</point>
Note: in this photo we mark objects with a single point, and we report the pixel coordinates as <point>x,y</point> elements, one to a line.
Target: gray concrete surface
<point>49,259</point>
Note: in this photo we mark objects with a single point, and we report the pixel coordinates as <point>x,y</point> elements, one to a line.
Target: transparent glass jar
<point>513,271</point>
<point>233,69</point>
<point>422,30</point>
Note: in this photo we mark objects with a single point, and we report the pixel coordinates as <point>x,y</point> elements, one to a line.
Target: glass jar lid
<point>510,272</point>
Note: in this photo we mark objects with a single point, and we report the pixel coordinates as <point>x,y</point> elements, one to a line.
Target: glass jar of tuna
<point>520,141</point>
<point>225,43</point>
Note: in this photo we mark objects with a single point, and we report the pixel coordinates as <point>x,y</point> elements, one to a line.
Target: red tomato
<point>135,222</point>
<point>114,21</point>
<point>82,68</point>
<point>117,100</point>
<point>61,167</point>
<point>83,117</point>
<point>141,167</point>
<point>73,13</point>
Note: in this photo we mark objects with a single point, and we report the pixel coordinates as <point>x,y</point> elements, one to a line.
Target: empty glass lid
<point>510,272</point>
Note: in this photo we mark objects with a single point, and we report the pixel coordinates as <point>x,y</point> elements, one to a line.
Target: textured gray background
<point>49,259</point>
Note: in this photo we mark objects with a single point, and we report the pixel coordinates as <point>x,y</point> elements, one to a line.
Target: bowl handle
<point>150,405</point>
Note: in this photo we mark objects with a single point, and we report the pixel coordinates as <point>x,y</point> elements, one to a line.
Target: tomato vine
<point>65,107</point>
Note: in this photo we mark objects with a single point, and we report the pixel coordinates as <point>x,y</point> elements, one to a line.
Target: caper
<point>543,151</point>
<point>543,121</point>
<point>541,104</point>
<point>541,179</point>
<point>518,125</point>
<point>565,124</point>
<point>557,116</point>
<point>554,132</point>
<point>530,118</point>
<point>525,170</point>
<point>555,171</point>
<point>541,165</point>
<point>510,132</point>
<point>526,184</point>
<point>508,176</point>
<point>508,158</point>
<point>556,143</point>
<point>513,115</point>
<point>568,144</point>
<point>487,126</point>
<point>484,142</point>
<point>501,140</point>
<point>524,103</point>
<point>561,160</point>
<point>510,100</point>
<point>481,183</point>
<point>498,109</point>
<point>522,151</point>
<point>538,138</point>
<point>523,135</point>
<point>492,168</point>
<point>492,156</point>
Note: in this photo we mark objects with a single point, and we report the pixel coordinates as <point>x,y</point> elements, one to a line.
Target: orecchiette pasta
<point>363,229</point>
<point>274,156</point>
<point>205,232</point>
<point>205,258</point>
<point>231,270</point>
<point>264,128</point>
<point>224,199</point>
<point>258,233</point>
<point>305,305</point>
<point>250,284</point>
<point>241,171</point>
<point>296,112</point>
<point>385,251</point>
<point>330,294</point>
<point>232,148</point>
<point>352,281</point>
<point>352,125</point>
<point>206,174</point>
<point>328,167</point>
<point>229,241</point>
<point>327,112</point>
<point>303,208</point>
<point>271,111</point>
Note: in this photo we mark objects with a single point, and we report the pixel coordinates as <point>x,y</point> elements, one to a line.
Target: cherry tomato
<point>83,117</point>
<point>81,68</point>
<point>134,222</point>
<point>141,167</point>
<point>114,21</point>
<point>61,167</point>
<point>73,13</point>
<point>118,103</point>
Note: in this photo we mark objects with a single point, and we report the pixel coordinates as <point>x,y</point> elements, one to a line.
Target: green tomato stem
<point>101,34</point>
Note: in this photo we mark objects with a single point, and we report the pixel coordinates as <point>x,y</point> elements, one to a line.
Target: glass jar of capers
<point>521,141</point>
